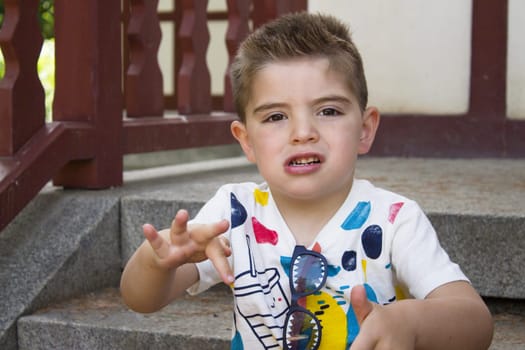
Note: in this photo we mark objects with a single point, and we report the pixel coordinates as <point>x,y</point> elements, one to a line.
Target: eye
<point>275,117</point>
<point>329,112</point>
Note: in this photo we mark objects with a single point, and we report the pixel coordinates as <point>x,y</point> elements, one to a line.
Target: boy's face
<point>304,129</point>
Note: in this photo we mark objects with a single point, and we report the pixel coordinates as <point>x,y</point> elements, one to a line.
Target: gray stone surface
<point>101,321</point>
<point>186,155</point>
<point>490,250</point>
<point>62,245</point>
<point>67,242</point>
<point>492,187</point>
<point>476,205</point>
<point>509,332</point>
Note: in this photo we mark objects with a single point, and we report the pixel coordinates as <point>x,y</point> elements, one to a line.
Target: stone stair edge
<point>43,256</point>
<point>468,187</point>
<point>139,188</point>
<point>188,320</point>
<point>469,223</point>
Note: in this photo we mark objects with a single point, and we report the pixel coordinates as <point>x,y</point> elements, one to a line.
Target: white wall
<point>516,60</point>
<point>416,53</point>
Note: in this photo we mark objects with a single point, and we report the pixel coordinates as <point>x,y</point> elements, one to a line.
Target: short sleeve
<point>208,277</point>
<point>420,262</point>
<point>216,209</point>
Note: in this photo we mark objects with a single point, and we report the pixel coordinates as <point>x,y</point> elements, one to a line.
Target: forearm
<point>452,322</point>
<point>455,323</point>
<point>147,287</point>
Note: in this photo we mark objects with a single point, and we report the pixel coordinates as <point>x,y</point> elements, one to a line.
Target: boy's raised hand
<point>184,243</point>
<point>380,328</point>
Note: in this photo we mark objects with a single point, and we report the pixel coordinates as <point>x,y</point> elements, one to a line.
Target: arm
<point>453,316</point>
<point>163,267</point>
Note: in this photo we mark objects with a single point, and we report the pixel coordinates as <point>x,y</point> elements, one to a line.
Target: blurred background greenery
<point>46,17</point>
<point>46,62</point>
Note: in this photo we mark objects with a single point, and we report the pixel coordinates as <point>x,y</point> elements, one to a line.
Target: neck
<point>306,218</point>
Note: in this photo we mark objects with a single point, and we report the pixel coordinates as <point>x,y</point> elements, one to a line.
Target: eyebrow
<point>330,98</point>
<point>333,98</point>
<point>267,106</point>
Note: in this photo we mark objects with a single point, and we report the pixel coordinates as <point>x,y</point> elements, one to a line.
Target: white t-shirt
<point>377,238</point>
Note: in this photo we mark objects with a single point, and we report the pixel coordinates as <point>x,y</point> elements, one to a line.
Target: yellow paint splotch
<point>261,197</point>
<point>332,318</point>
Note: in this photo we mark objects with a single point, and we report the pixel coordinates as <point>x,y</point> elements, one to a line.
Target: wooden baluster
<point>266,10</point>
<point>238,29</point>
<point>144,90</point>
<point>488,78</point>
<point>88,86</point>
<point>194,82</point>
<point>22,108</point>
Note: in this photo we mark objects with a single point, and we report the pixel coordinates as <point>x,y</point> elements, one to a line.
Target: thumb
<point>218,251</point>
<point>360,303</point>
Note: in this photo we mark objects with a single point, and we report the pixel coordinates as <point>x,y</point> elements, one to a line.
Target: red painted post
<point>488,79</point>
<point>88,86</point>
<point>238,29</point>
<point>22,109</point>
<point>194,82</point>
<point>144,95</point>
<point>266,10</point>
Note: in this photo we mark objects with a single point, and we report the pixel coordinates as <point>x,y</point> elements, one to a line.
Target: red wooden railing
<point>84,145</point>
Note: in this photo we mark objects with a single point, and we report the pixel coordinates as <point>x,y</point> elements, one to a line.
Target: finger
<point>218,254</point>
<point>159,245</point>
<point>203,234</point>
<point>364,343</point>
<point>360,303</point>
<point>225,244</point>
<point>179,225</point>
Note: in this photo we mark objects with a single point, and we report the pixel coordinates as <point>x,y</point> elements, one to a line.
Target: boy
<point>314,257</point>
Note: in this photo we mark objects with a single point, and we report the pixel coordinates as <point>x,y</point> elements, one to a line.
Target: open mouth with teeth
<point>304,161</point>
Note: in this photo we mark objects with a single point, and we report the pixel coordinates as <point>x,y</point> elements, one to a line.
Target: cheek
<point>260,145</point>
<point>263,149</point>
<point>344,136</point>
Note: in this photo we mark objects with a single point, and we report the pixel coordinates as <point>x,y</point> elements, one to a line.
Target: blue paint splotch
<point>357,217</point>
<point>349,260</point>
<point>372,240</point>
<point>238,212</point>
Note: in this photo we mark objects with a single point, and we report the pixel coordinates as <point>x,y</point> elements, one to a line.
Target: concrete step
<point>101,321</point>
<point>63,245</point>
<point>476,205</point>
<point>70,242</point>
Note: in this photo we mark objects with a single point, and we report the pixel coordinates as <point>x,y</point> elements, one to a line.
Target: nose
<point>304,129</point>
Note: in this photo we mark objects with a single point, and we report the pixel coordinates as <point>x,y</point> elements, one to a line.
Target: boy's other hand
<point>184,243</point>
<point>380,327</point>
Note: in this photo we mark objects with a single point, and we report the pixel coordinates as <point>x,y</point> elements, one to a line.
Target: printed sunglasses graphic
<point>308,273</point>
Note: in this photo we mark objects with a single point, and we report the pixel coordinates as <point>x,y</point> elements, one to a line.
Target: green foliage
<point>46,17</point>
<point>46,61</point>
<point>46,73</point>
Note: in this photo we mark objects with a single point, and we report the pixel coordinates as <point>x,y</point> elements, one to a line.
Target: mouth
<point>304,161</point>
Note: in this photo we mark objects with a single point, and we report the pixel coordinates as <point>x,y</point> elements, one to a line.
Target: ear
<point>368,132</point>
<point>240,133</point>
